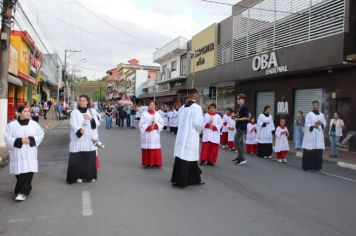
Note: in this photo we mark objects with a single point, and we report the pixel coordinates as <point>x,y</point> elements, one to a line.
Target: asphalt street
<point>263,197</point>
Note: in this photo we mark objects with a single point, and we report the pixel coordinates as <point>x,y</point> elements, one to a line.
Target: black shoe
<point>235,159</point>
<point>202,163</point>
<point>210,164</point>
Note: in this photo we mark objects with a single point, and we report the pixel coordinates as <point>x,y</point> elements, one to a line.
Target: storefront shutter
<point>263,99</point>
<point>303,101</point>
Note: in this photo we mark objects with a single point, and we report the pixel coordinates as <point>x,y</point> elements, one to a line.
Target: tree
<point>99,95</point>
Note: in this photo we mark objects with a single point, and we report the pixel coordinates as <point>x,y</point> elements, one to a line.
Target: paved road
<point>262,198</point>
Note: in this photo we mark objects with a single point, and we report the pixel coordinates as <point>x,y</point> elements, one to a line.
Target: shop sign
<point>282,107</point>
<point>268,63</point>
<point>164,87</point>
<point>201,51</point>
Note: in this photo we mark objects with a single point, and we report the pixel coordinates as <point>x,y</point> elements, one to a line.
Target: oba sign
<point>268,63</point>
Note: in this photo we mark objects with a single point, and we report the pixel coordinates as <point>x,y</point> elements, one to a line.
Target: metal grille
<point>274,24</point>
<point>224,53</point>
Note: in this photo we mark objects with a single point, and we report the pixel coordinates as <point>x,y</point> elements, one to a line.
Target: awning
<point>15,80</point>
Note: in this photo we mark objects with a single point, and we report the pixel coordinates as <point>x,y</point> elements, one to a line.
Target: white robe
<point>231,126</point>
<point>191,123</point>
<point>225,119</point>
<point>150,140</point>
<point>170,118</point>
<point>264,134</point>
<point>282,143</point>
<point>85,142</point>
<point>175,118</point>
<point>314,139</point>
<point>251,136</point>
<point>24,159</point>
<point>210,135</point>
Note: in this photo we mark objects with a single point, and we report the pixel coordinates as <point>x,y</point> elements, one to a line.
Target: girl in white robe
<point>211,136</point>
<point>151,124</point>
<point>82,151</point>
<point>251,143</point>
<point>23,136</point>
<point>225,130</point>
<point>282,144</point>
<point>231,128</point>
<point>264,136</point>
<point>313,141</point>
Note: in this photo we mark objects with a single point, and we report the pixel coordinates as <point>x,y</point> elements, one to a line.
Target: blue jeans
<point>108,121</point>
<point>299,135</point>
<point>334,140</point>
<point>128,120</point>
<point>132,121</point>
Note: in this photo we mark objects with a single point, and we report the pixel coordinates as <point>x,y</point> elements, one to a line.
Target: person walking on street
<point>108,116</point>
<point>241,128</point>
<point>335,133</point>
<point>35,112</point>
<point>59,109</point>
<point>23,136</point>
<point>45,109</point>
<point>133,117</point>
<point>128,114</point>
<point>299,130</point>
<point>121,115</point>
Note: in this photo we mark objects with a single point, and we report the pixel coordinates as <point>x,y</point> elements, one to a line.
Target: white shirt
<point>314,139</point>
<point>210,135</point>
<point>191,123</point>
<point>338,127</point>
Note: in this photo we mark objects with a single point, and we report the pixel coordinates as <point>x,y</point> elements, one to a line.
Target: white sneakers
<point>280,160</point>
<point>79,181</point>
<point>92,181</point>
<point>20,197</point>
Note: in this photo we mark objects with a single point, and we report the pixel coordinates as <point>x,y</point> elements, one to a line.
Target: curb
<point>346,165</point>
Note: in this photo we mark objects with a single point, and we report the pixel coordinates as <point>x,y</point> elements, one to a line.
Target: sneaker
<point>20,197</point>
<point>285,160</point>
<point>265,157</point>
<point>269,157</point>
<point>235,159</point>
<point>280,160</point>
<point>223,146</point>
<point>93,181</point>
<point>240,163</point>
<point>79,181</point>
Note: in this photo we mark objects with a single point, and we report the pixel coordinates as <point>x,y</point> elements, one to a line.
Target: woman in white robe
<point>264,136</point>
<point>282,144</point>
<point>313,141</point>
<point>83,134</point>
<point>186,170</point>
<point>23,136</point>
<point>211,137</point>
<point>151,124</point>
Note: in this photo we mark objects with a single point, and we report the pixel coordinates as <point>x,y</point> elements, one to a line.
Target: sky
<point>108,32</point>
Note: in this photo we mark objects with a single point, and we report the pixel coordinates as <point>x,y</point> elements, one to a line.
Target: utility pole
<point>65,69</point>
<point>6,22</point>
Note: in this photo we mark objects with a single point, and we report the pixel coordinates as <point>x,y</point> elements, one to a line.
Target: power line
<point>113,26</point>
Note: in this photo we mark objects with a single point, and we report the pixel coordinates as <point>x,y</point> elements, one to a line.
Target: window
<point>174,65</point>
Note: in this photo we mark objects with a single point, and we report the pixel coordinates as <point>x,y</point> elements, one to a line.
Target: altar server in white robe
<point>231,128</point>
<point>186,151</point>
<point>282,144</point>
<point>264,136</point>
<point>251,144</point>
<point>175,120</point>
<point>211,136</point>
<point>225,130</point>
<point>313,141</point>
<point>23,136</point>
<point>151,124</point>
<point>82,151</point>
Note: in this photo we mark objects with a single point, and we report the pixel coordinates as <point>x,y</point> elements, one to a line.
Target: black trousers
<point>121,121</point>
<point>24,183</point>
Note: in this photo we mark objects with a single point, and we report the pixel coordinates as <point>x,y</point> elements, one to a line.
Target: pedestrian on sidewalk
<point>313,141</point>
<point>186,170</point>
<point>251,144</point>
<point>82,156</point>
<point>133,116</point>
<point>231,128</point>
<point>121,115</point>
<point>23,136</point>
<point>225,130</point>
<point>264,136</point>
<point>35,111</point>
<point>241,128</point>
<point>282,144</point>
<point>108,116</point>
<point>128,115</point>
<point>299,130</point>
<point>335,133</point>
<point>59,110</point>
<point>151,124</point>
<point>211,136</point>
<point>45,109</point>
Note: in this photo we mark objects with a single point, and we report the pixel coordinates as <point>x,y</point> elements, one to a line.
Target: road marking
<point>339,177</point>
<point>87,209</point>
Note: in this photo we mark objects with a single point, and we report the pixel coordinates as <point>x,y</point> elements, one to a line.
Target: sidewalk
<point>48,124</point>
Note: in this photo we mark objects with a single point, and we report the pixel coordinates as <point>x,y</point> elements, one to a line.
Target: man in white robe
<point>313,141</point>
<point>186,151</point>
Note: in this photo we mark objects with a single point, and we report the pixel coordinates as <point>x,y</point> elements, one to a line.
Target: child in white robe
<point>282,145</point>
<point>251,143</point>
<point>231,123</point>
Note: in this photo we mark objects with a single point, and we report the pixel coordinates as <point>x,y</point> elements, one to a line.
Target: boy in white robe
<point>23,136</point>
<point>251,144</point>
<point>231,128</point>
<point>313,141</point>
<point>282,144</point>
<point>186,170</point>
<point>225,130</point>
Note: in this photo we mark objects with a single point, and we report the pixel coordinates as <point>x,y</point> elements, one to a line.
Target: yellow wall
<point>23,53</point>
<point>204,38</point>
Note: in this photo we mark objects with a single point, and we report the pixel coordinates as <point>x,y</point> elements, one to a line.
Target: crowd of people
<point>238,131</point>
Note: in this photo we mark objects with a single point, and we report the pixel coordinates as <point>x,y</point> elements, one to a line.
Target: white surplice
<point>314,139</point>
<point>250,135</point>
<point>282,143</point>
<point>24,159</point>
<point>85,142</point>
<point>150,140</point>
<point>264,134</point>
<point>225,119</point>
<point>231,127</point>
<point>191,123</point>
<point>210,135</point>
<point>175,118</point>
